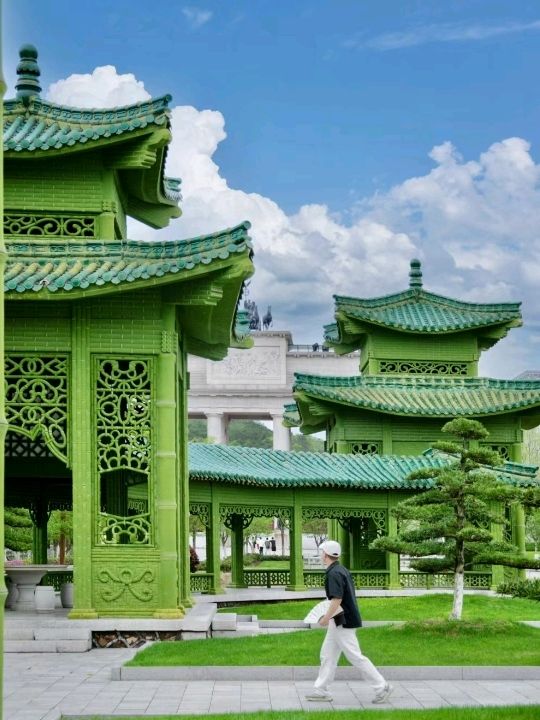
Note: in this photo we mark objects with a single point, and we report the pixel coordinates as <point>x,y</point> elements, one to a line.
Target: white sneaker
<point>383,694</point>
<point>319,696</point>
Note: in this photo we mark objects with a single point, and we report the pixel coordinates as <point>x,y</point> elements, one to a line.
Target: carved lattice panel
<point>19,225</point>
<point>365,448</point>
<point>423,367</point>
<point>124,442</point>
<point>22,446</point>
<point>123,405</point>
<point>37,399</point>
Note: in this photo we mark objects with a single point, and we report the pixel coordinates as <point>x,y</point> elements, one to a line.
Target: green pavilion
<point>419,365</point>
<point>97,332</point>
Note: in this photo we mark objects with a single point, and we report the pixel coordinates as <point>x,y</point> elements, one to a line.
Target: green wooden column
<point>40,519</point>
<point>237,551</point>
<point>392,559</point>
<point>82,426</point>
<point>182,382</point>
<point>518,534</point>
<point>356,546</point>
<point>497,530</point>
<point>295,542</point>
<point>213,544</point>
<point>166,471</point>
<point>344,539</point>
<point>3,422</point>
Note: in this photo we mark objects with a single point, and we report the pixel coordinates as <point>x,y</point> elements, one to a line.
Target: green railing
<point>201,582</point>
<point>480,580</point>
<point>313,578</point>
<point>57,578</point>
<point>266,578</point>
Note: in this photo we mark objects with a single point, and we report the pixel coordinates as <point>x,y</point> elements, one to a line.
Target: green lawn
<point>529,712</point>
<point>423,607</point>
<point>443,643</point>
<point>270,565</point>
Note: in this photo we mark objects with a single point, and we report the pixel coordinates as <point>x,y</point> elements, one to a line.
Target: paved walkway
<point>42,686</point>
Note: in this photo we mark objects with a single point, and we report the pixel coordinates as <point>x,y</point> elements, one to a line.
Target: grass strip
<point>425,643</point>
<point>514,712</point>
<point>424,607</point>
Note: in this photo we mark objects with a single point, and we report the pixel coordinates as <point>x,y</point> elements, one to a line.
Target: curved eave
<point>327,407</point>
<point>494,330</point>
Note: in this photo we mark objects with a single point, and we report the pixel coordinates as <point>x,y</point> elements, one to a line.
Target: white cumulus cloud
<point>197,17</point>
<point>474,223</point>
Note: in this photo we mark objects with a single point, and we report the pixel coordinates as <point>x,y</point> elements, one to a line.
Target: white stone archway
<point>255,384</point>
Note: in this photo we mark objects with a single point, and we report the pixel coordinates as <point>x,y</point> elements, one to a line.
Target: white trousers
<point>343,640</point>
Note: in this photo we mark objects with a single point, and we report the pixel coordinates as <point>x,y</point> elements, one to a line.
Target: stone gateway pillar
<point>282,434</point>
<point>217,427</point>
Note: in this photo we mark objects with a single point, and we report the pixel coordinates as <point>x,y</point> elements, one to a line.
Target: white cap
<point>331,548</point>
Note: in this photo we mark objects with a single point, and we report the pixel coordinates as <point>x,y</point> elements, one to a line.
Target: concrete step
<point>247,628</point>
<point>199,618</point>
<point>30,646</point>
<point>73,646</point>
<point>62,633</point>
<point>18,633</point>
<point>224,621</point>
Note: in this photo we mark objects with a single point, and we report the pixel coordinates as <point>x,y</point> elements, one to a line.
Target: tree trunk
<point>457,607</point>
<point>62,549</point>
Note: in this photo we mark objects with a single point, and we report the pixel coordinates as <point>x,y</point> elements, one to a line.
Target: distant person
<point>341,634</point>
<point>261,549</point>
<point>273,545</point>
<point>315,347</point>
<point>267,544</point>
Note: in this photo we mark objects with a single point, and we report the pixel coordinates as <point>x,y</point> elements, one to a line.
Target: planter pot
<point>13,594</point>
<point>66,595</point>
<point>45,599</point>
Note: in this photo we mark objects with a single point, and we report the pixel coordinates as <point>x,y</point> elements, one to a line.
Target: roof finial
<point>415,275</point>
<point>28,71</point>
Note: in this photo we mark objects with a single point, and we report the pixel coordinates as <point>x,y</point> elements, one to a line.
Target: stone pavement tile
<point>254,706</point>
<point>224,707</point>
<point>160,708</point>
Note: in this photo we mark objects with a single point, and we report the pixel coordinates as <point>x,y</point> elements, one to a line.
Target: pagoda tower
<point>419,369</point>
<point>97,332</point>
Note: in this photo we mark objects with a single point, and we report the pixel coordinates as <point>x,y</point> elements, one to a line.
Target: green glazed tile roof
<point>419,311</point>
<point>423,396</point>
<point>40,125</point>
<point>277,468</point>
<point>62,268</point>
<point>291,416</point>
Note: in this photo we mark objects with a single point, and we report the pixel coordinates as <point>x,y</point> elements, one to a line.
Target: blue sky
<point>337,105</point>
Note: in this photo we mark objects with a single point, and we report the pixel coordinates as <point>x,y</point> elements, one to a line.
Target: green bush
<point>274,557</point>
<point>525,589</point>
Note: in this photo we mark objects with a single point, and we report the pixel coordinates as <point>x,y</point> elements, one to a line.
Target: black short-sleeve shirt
<point>338,583</point>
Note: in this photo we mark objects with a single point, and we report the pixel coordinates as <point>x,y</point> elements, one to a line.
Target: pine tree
<point>446,528</point>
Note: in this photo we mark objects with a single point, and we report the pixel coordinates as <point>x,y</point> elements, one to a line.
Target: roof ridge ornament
<point>28,72</point>
<point>415,274</point>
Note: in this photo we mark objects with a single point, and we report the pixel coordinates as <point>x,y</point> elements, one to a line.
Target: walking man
<point>341,633</point>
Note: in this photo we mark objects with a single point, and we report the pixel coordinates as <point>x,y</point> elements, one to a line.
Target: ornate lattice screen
<point>124,445</point>
<point>37,399</point>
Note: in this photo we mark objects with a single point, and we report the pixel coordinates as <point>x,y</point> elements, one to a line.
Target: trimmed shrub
<point>529,589</point>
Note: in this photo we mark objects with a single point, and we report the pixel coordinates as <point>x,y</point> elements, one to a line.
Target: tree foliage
<point>250,433</point>
<point>448,527</point>
<point>18,529</point>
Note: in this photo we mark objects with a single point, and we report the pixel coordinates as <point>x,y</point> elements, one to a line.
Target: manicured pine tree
<point>18,529</point>
<point>446,528</point>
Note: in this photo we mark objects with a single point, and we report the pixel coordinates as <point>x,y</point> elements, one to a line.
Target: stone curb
<point>306,672</point>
